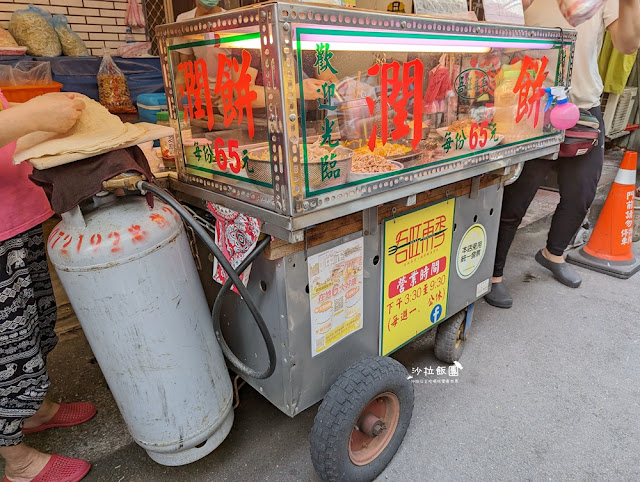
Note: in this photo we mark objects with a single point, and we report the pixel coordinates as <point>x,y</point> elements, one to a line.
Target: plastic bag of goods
<point>579,11</point>
<point>134,49</point>
<point>72,45</point>
<point>112,85</point>
<point>6,40</point>
<point>32,28</point>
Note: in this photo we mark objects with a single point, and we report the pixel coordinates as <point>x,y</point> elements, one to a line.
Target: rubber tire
<point>447,336</point>
<point>339,412</point>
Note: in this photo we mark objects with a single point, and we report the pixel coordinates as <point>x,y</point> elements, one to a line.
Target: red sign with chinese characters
<point>529,88</point>
<point>233,86</point>
<point>396,92</point>
<point>196,80</point>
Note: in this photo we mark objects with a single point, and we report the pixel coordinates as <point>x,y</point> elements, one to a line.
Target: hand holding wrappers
<point>67,107</point>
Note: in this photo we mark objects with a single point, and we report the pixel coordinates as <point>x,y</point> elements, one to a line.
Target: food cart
<point>373,148</point>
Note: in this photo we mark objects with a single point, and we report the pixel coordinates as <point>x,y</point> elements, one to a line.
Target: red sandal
<point>68,415</point>
<point>62,469</point>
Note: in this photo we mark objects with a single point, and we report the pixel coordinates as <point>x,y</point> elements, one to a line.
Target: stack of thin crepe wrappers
<point>96,132</point>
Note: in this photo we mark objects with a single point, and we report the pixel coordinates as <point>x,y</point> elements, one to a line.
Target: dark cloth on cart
<point>68,185</point>
<point>27,336</point>
<point>578,179</point>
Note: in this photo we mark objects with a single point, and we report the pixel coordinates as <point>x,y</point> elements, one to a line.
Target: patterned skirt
<point>27,321</point>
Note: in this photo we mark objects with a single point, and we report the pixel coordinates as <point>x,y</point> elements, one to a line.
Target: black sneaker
<point>561,271</point>
<point>499,296</point>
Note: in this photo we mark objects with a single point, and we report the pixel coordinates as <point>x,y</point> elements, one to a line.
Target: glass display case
<point>299,113</point>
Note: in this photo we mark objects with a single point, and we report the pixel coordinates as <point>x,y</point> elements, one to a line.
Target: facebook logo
<point>436,313</point>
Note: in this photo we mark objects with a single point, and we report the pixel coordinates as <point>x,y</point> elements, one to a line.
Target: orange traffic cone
<point>609,248</point>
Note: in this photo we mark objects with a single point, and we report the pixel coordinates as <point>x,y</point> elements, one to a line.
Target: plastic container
<point>565,115</point>
<point>23,93</point>
<point>506,105</point>
<point>185,127</point>
<point>129,38</point>
<point>149,105</point>
<point>506,109</point>
<point>167,144</point>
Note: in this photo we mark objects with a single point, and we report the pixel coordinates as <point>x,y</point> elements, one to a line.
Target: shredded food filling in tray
<point>369,163</point>
<point>461,125</point>
<point>315,153</point>
<point>387,150</point>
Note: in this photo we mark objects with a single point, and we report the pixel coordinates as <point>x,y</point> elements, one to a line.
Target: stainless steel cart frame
<point>309,222</point>
<point>288,209</point>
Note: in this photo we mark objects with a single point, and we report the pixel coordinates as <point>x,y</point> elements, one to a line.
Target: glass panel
<point>218,87</point>
<point>379,103</point>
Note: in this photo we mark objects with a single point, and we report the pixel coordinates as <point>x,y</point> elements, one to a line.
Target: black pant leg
<point>516,201</point>
<point>578,179</point>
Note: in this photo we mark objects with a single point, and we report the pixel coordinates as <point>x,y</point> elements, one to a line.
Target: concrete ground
<point>549,389</point>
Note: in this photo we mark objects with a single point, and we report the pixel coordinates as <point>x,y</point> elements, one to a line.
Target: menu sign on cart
<point>335,294</point>
<point>416,263</point>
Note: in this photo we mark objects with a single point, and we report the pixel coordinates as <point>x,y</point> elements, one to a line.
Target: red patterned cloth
<point>236,236</point>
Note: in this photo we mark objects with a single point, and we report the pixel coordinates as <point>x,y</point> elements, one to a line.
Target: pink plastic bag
<point>135,49</point>
<point>135,17</point>
<point>579,11</point>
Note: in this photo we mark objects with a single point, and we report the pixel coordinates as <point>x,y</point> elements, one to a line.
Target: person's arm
<point>178,74</point>
<point>625,31</point>
<point>50,113</point>
<point>310,88</point>
<point>328,76</point>
<point>526,4</point>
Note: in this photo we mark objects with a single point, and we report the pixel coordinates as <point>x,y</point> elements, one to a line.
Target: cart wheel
<point>449,343</point>
<point>362,420</point>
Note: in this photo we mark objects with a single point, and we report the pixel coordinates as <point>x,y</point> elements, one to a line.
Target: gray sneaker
<point>499,296</point>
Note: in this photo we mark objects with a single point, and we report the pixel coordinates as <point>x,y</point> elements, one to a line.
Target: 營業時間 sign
<point>417,256</point>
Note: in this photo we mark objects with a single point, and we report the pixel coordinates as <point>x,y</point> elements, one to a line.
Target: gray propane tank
<point>132,281</point>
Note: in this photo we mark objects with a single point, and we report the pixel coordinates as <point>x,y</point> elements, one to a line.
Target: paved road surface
<point>548,389</point>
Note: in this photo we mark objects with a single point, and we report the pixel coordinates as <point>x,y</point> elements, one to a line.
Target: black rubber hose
<point>217,307</point>
<point>234,279</point>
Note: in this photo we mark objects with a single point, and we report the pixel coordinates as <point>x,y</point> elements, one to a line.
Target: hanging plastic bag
<point>579,11</point>
<point>112,85</point>
<point>135,17</point>
<point>6,40</point>
<point>32,28</point>
<point>72,45</point>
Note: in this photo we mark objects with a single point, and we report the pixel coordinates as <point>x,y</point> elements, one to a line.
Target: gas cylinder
<point>133,284</point>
